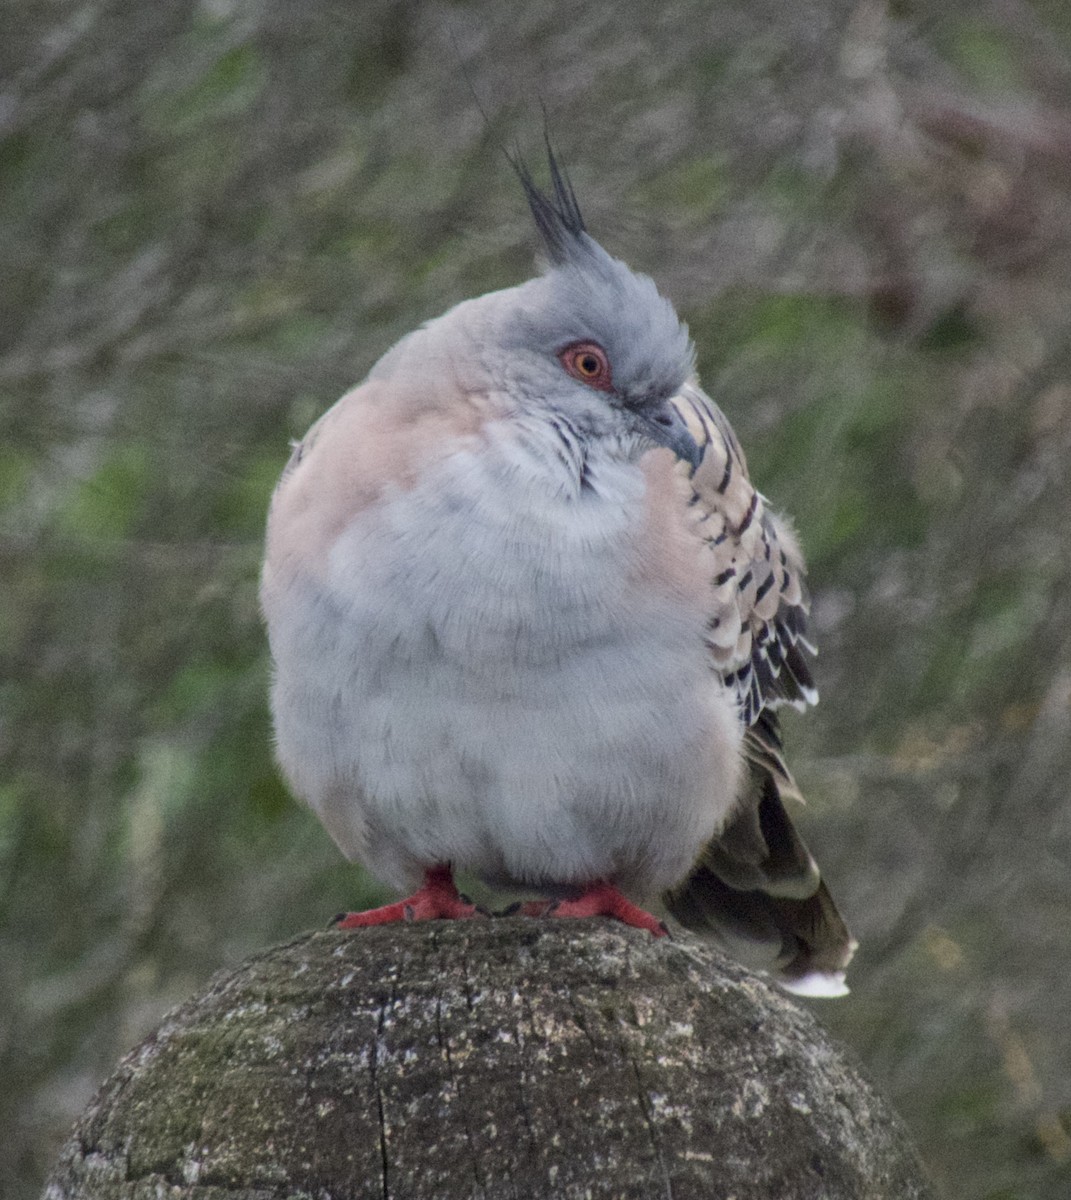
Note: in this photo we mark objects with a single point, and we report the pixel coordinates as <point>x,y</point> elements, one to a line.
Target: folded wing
<point>756,884</point>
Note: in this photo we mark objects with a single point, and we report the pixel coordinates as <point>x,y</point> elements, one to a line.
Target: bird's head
<point>590,339</point>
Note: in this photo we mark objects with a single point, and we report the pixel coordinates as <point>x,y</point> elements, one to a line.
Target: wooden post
<point>511,1058</point>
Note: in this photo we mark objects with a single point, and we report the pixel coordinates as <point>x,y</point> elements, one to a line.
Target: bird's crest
<point>557,216</point>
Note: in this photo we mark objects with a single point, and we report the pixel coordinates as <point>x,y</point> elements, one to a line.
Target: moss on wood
<point>505,1058</point>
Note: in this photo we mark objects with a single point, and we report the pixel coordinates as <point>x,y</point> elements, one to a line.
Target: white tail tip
<point>828,984</point>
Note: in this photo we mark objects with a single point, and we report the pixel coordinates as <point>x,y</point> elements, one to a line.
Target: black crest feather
<point>557,216</point>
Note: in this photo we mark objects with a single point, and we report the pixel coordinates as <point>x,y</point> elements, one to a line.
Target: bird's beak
<point>663,424</point>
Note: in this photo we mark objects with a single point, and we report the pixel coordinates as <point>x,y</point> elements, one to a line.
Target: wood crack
<point>444,1046</point>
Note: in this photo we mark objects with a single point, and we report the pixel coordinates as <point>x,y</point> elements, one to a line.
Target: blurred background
<point>216,214</point>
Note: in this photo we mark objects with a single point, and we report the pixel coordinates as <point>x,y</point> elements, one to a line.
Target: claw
<point>600,900</point>
<point>438,898</point>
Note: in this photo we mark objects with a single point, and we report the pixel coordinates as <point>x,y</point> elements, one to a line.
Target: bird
<point>530,619</point>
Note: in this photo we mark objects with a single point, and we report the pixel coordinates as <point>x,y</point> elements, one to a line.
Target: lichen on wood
<point>505,1058</point>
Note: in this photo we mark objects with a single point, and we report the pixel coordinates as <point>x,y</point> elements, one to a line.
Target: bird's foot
<point>438,898</point>
<point>599,900</point>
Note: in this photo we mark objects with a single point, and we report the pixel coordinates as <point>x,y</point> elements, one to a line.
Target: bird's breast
<point>502,558</point>
<point>487,659</point>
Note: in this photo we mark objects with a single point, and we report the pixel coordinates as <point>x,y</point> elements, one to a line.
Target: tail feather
<point>757,886</point>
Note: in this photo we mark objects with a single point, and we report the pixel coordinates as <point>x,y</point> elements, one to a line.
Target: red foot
<point>437,898</point>
<point>599,900</point>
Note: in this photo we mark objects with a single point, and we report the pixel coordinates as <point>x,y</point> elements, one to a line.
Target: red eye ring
<point>587,362</point>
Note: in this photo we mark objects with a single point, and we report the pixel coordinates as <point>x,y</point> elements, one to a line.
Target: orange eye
<point>587,362</point>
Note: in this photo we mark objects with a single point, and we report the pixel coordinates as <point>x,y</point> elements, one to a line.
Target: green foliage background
<point>215,215</point>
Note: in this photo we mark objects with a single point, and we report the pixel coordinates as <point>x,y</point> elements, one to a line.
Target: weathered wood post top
<point>498,1058</point>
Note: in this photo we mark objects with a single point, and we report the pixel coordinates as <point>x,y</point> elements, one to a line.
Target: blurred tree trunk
<point>494,1059</point>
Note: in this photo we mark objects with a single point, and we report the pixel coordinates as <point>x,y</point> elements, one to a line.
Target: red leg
<point>600,900</point>
<point>437,898</point>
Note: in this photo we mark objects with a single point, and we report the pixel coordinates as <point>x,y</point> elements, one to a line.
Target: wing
<point>756,884</point>
<point>757,632</point>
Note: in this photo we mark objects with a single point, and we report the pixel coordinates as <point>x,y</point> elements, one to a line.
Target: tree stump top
<point>504,1058</point>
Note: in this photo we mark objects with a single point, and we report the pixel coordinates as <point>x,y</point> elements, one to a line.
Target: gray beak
<point>665,426</point>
